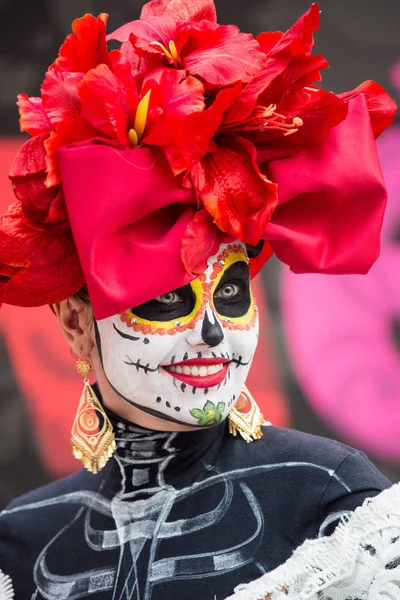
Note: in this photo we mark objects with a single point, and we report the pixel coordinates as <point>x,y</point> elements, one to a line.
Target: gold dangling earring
<point>246,418</point>
<point>92,441</point>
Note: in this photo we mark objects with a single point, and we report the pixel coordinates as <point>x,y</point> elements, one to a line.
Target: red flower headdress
<point>144,159</point>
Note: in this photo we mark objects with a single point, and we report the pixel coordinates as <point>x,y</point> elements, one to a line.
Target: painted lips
<point>201,373</point>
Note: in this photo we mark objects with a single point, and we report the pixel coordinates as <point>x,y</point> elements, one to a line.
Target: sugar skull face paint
<point>184,356</point>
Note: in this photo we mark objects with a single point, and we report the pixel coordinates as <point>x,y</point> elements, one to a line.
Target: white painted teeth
<point>197,371</point>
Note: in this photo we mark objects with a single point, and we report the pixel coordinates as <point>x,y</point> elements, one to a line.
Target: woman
<point>158,180</point>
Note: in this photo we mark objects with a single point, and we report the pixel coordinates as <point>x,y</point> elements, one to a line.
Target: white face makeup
<point>184,356</point>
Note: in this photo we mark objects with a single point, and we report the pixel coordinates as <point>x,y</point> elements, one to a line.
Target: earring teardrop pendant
<point>246,418</point>
<point>92,435</point>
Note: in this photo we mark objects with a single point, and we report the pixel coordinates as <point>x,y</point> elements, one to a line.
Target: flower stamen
<point>171,54</point>
<point>133,138</point>
<point>173,51</point>
<point>267,118</point>
<point>135,135</point>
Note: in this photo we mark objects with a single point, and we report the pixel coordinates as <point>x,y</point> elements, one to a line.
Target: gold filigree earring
<point>92,436</point>
<point>246,418</point>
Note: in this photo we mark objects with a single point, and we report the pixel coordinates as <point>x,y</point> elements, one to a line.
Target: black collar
<point>147,461</point>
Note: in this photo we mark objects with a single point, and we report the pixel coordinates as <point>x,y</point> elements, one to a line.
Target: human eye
<point>166,307</point>
<point>168,298</point>
<point>227,291</point>
<point>232,296</point>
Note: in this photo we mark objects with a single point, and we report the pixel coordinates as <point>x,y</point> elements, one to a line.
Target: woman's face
<point>184,356</point>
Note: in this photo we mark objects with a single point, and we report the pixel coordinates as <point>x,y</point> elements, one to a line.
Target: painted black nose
<point>211,333</point>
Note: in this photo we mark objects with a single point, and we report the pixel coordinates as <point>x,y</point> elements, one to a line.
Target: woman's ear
<point>76,320</point>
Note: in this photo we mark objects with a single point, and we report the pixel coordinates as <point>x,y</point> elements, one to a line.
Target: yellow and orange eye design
<point>225,287</point>
<point>232,297</point>
<point>171,312</point>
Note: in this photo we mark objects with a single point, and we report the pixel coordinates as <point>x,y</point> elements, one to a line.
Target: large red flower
<point>83,50</point>
<point>279,110</point>
<point>219,55</point>
<point>220,114</point>
<point>39,263</point>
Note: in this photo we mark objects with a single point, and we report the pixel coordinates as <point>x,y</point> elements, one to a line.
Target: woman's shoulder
<point>29,521</point>
<point>288,450</point>
<point>66,486</point>
<point>298,445</point>
<point>47,506</point>
<point>288,445</point>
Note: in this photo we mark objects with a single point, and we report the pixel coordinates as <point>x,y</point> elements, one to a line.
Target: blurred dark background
<point>38,387</point>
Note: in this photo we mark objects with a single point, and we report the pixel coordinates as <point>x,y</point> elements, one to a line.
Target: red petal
<point>39,266</point>
<point>33,118</point>
<point>174,93</point>
<point>122,68</point>
<point>232,189</point>
<point>136,38</point>
<point>301,72</point>
<point>40,204</point>
<point>201,240</point>
<point>107,103</point>
<point>220,55</point>
<point>173,98</point>
<point>301,31</point>
<point>138,64</point>
<point>156,29</point>
<point>181,10</point>
<point>86,47</point>
<point>21,241</point>
<point>142,33</point>
<point>31,157</point>
<point>278,80</point>
<point>60,94</point>
<point>294,44</point>
<point>186,141</point>
<point>269,39</point>
<point>322,111</point>
<point>28,174</point>
<point>381,107</point>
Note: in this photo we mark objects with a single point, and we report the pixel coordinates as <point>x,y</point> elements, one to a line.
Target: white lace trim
<point>361,559</point>
<point>6,587</point>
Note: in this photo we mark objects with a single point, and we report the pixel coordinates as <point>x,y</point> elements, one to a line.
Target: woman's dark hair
<point>253,251</point>
<point>83,295</point>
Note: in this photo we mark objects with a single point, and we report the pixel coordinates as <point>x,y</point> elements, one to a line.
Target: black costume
<point>180,515</point>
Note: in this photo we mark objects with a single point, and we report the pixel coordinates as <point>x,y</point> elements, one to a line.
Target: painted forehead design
<point>195,298</point>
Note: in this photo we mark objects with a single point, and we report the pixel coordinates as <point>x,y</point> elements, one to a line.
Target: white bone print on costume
<point>6,587</point>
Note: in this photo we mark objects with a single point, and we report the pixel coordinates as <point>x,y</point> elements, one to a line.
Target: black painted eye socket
<point>232,297</point>
<point>228,291</point>
<point>169,306</point>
